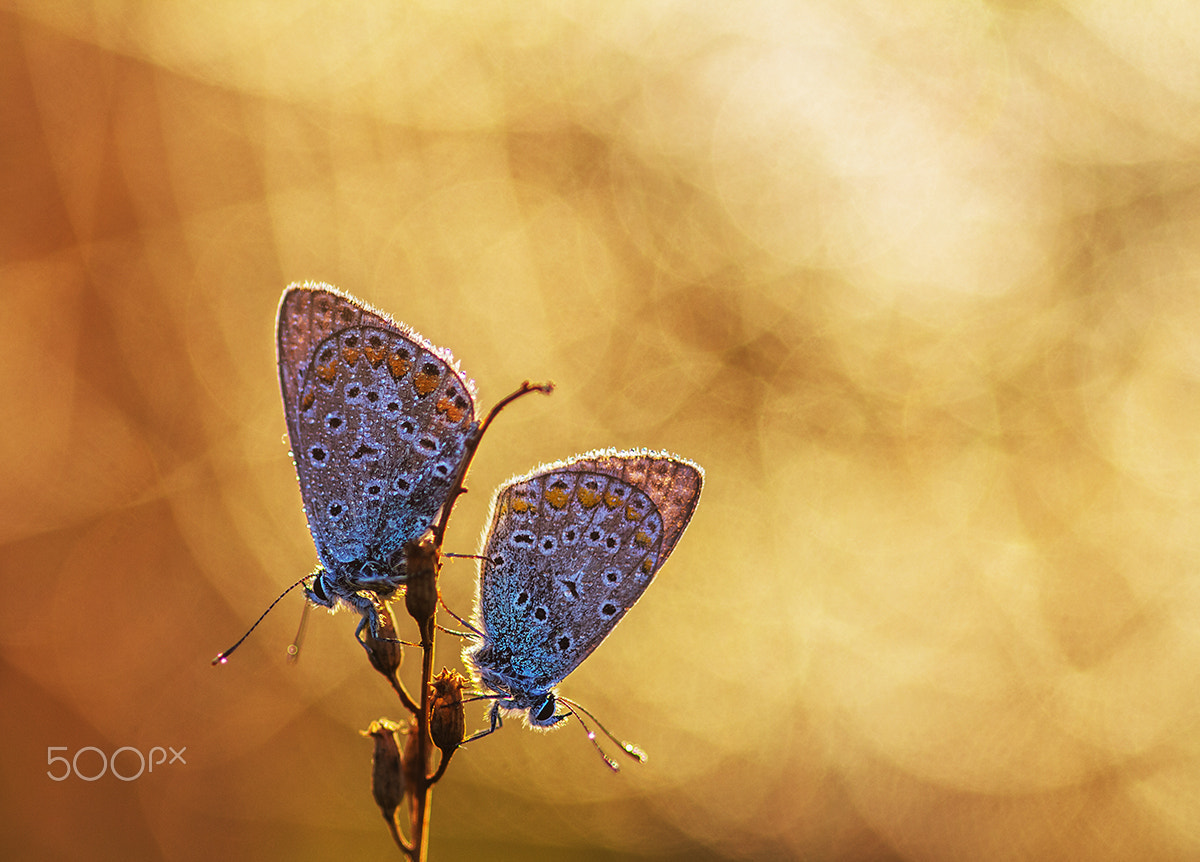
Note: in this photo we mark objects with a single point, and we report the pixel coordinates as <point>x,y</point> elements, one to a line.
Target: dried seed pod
<point>384,650</point>
<point>423,561</point>
<point>387,770</point>
<point>447,715</point>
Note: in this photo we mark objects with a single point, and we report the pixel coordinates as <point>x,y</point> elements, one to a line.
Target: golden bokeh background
<point>916,283</point>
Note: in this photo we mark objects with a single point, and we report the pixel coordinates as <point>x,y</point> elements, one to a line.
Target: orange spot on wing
<point>589,497</point>
<point>328,371</point>
<point>521,506</point>
<point>557,496</point>
<point>453,407</point>
<point>641,539</point>
<point>350,354</point>
<point>648,565</point>
<point>375,355</point>
<point>425,383</point>
<point>399,363</point>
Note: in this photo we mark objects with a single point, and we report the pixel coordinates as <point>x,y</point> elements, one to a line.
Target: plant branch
<point>441,698</point>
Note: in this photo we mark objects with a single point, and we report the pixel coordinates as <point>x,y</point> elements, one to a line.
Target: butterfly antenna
<point>293,650</point>
<point>224,657</point>
<point>631,750</point>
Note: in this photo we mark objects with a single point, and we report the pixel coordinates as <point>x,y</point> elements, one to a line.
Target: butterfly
<point>570,549</point>
<point>381,424</point>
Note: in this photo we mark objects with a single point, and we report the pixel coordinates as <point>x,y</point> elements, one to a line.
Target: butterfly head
<point>542,712</point>
<point>320,591</point>
<point>327,591</point>
<point>511,695</point>
<point>539,711</point>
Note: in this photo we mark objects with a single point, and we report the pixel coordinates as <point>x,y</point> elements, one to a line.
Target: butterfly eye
<point>318,590</point>
<point>547,711</point>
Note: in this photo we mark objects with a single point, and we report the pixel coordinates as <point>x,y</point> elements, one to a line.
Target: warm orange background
<point>916,283</point>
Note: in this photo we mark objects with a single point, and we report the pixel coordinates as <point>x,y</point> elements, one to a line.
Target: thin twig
<point>398,838</point>
<point>441,770</point>
<point>405,697</point>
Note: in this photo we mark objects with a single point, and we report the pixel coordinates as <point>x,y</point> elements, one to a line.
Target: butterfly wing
<point>378,419</point>
<point>672,483</point>
<point>570,549</point>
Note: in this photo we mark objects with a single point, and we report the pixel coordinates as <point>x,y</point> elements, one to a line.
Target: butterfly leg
<point>495,722</point>
<point>358,632</point>
<point>473,633</point>
<point>370,617</point>
<point>371,620</point>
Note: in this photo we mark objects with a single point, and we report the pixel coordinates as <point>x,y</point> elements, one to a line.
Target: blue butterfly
<point>382,424</point>
<point>571,548</point>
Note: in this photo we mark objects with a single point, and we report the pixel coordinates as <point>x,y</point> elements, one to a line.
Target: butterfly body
<point>380,423</point>
<point>570,549</point>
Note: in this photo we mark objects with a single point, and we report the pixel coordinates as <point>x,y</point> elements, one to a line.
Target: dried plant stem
<point>398,838</point>
<point>402,692</point>
<point>423,562</point>
<point>441,770</point>
<point>423,792</point>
